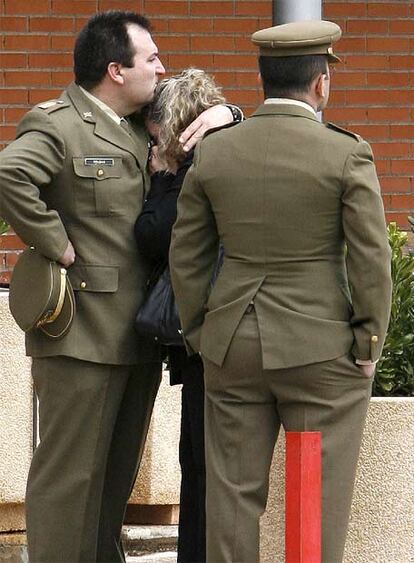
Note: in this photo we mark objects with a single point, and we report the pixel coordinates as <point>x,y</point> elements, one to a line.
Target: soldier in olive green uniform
<point>72,185</point>
<point>292,329</point>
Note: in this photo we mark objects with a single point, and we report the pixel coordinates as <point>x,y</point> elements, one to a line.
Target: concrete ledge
<point>382,517</point>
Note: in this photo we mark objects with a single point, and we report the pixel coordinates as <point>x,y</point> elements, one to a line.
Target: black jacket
<point>153,234</point>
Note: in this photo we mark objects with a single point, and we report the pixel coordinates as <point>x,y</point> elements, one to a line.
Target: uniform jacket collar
<point>284,109</point>
<point>106,128</point>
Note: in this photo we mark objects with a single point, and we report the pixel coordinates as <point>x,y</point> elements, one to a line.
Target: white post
<point>285,11</point>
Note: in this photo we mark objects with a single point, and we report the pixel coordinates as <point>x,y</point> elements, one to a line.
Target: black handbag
<point>157,317</point>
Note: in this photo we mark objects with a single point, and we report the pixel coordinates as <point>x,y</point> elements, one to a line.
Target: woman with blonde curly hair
<point>178,101</point>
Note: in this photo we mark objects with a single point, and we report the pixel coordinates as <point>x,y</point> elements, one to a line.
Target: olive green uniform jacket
<point>72,174</point>
<point>298,209</point>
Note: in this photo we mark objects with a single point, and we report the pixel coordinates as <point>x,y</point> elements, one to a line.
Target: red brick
<point>7,132</point>
<point>248,79</point>
<point>402,97</point>
<point>183,61</point>
<point>392,184</point>
<point>337,98</point>
<point>5,278</point>
<point>74,7</point>
<point>244,44</point>
<point>383,167</point>
<point>8,23</point>
<point>14,115</point>
<point>52,61</point>
<point>347,9</point>
<point>388,79</point>
<point>367,97</point>
<point>389,9</point>
<point>171,7</point>
<point>26,42</point>
<point>173,43</point>
<point>363,27</point>
<point>187,25</point>
<point>349,79</point>
<point>400,202</point>
<point>400,62</point>
<point>370,132</point>
<point>21,7</point>
<point>10,60</point>
<point>366,61</point>
<point>389,114</point>
<point>225,78</point>
<point>209,8</point>
<point>253,8</point>
<point>235,61</point>
<point>211,44</point>
<point>403,167</point>
<point>387,45</point>
<point>38,96</point>
<point>159,25</point>
<point>51,24</point>
<point>11,241</point>
<point>402,26</point>
<point>80,22</point>
<point>63,42</point>
<point>243,97</point>
<point>391,149</point>
<point>104,5</point>
<point>351,45</point>
<point>399,218</point>
<point>348,115</point>
<point>236,25</point>
<point>402,131</point>
<point>61,78</point>
<point>27,78</point>
<point>13,96</point>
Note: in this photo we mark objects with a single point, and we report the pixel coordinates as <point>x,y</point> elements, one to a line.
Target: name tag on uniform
<point>99,161</point>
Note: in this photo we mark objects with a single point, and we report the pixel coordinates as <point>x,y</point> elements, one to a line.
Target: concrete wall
<point>15,420</point>
<point>382,518</point>
<point>159,476</point>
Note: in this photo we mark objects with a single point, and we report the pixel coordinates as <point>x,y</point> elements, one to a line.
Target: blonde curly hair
<point>177,102</point>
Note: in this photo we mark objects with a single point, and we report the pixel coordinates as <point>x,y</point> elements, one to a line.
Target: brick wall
<point>373,91</point>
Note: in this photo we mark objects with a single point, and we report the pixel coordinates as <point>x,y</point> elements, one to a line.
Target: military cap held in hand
<point>49,305</point>
<point>299,38</point>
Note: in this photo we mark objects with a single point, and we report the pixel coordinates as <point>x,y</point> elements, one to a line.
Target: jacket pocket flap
<point>97,167</point>
<point>94,278</point>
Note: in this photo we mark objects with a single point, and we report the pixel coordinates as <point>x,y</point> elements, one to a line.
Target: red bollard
<point>303,497</point>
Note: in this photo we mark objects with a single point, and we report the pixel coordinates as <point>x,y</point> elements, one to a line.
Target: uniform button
<point>83,285</point>
<point>374,338</point>
<point>100,172</point>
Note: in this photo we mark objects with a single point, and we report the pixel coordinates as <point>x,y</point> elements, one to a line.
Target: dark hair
<point>104,39</point>
<point>289,76</point>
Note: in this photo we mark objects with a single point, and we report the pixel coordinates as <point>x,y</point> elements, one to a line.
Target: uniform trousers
<point>245,406</point>
<point>93,421</point>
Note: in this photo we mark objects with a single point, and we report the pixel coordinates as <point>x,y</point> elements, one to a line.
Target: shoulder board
<point>344,131</point>
<point>52,105</point>
<point>226,126</point>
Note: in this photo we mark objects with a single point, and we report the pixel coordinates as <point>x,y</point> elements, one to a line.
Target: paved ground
<point>142,544</point>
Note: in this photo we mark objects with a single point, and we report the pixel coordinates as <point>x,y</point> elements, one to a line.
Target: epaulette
<point>226,126</point>
<point>345,131</point>
<point>52,105</point>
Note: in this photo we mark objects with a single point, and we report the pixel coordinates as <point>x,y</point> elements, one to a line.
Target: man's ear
<point>319,85</point>
<point>115,73</point>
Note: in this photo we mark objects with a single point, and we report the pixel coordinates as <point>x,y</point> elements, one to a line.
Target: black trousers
<point>192,522</point>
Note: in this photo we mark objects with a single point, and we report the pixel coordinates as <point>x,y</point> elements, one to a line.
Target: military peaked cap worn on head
<point>299,38</point>
<point>41,296</point>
